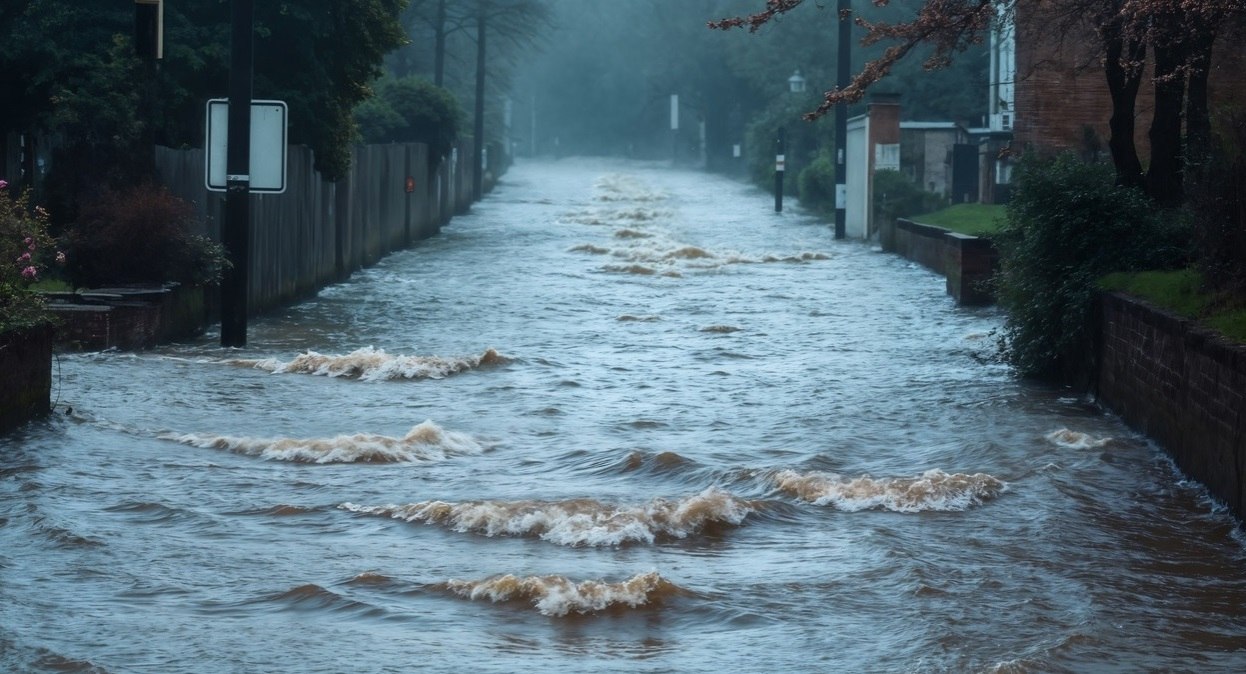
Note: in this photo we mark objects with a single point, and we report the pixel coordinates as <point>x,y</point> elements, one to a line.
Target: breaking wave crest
<point>640,270</point>
<point>1075,440</point>
<point>933,490</point>
<point>577,522</point>
<point>370,364</point>
<point>620,187</point>
<point>628,233</point>
<point>424,443</point>
<point>558,595</point>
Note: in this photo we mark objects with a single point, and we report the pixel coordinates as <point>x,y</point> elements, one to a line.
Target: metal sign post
<point>236,232</point>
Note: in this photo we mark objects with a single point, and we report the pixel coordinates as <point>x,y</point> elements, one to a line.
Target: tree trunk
<point>439,45</point>
<point>1164,179</point>
<point>1197,111</point>
<point>479,130</point>
<point>1124,79</point>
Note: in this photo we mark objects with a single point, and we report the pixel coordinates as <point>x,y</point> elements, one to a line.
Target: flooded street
<point>619,418</point>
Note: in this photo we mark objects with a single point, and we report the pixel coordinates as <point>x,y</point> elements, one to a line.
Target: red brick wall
<point>26,387</point>
<point>1061,87</point>
<point>1182,386</point>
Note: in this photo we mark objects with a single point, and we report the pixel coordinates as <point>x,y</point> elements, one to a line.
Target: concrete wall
<point>1181,385</point>
<point>26,387</point>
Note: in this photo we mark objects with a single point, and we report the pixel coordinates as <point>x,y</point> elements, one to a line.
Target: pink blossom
<point>3,184</point>
<point>24,258</point>
<point>30,272</point>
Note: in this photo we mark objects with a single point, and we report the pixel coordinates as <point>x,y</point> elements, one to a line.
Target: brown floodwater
<point>619,418</point>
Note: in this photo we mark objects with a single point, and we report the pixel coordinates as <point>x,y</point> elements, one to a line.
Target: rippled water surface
<point>619,418</point>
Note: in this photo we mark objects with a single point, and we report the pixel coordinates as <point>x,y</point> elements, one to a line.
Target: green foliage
<point>1068,225</point>
<point>25,252</point>
<point>1183,292</point>
<point>895,196</point>
<point>1217,190</point>
<point>67,71</point>
<point>411,110</point>
<point>817,184</point>
<point>972,219</point>
<point>803,140</point>
<point>141,235</point>
<point>1179,291</point>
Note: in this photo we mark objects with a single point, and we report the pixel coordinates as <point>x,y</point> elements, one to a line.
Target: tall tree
<point>516,23</point>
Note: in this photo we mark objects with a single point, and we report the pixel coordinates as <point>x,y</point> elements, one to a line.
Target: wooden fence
<point>317,232</point>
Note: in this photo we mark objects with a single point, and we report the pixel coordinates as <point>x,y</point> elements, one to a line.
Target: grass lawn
<point>1179,292</point>
<point>51,285</point>
<point>971,219</point>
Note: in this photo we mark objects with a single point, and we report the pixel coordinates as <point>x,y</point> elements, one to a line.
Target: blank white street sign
<point>268,146</point>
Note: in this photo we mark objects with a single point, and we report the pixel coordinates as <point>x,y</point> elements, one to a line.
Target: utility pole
<point>844,9</point>
<point>236,230</point>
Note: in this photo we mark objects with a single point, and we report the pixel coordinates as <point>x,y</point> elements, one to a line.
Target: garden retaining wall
<point>1181,385</point>
<point>967,262</point>
<point>26,387</point>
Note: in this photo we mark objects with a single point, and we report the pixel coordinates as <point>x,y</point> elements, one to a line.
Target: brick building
<point>1061,99</point>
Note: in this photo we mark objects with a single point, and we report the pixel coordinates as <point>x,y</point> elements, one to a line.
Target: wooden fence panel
<point>318,232</point>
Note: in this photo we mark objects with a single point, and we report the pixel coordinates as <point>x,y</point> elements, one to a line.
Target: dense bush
<point>803,140</point>
<point>411,110</point>
<point>817,184</point>
<point>895,196</point>
<point>25,250</point>
<point>1217,190</point>
<point>141,235</point>
<point>1069,224</point>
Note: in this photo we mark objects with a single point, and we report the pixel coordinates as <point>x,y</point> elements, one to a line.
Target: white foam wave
<point>370,364</point>
<point>558,596</point>
<point>577,522</point>
<point>933,490</point>
<point>619,187</point>
<point>1075,440</point>
<point>423,443</point>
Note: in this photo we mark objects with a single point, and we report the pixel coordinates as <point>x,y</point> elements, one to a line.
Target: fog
<point>601,78</point>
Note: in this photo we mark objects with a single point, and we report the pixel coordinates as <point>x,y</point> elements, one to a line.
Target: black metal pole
<point>780,168</point>
<point>236,232</point>
<point>844,7</point>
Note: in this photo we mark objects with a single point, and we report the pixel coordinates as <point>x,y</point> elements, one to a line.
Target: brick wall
<point>967,262</point>
<point>26,387</point>
<point>1181,385</point>
<point>1061,88</point>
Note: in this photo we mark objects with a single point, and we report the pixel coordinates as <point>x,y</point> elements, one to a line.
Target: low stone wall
<point>1181,385</point>
<point>127,318</point>
<point>26,387</point>
<point>968,262</point>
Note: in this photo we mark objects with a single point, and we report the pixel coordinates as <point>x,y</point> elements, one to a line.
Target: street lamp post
<point>796,83</point>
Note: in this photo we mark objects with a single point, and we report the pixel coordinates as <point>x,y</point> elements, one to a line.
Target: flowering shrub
<point>141,235</point>
<point>25,251</point>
